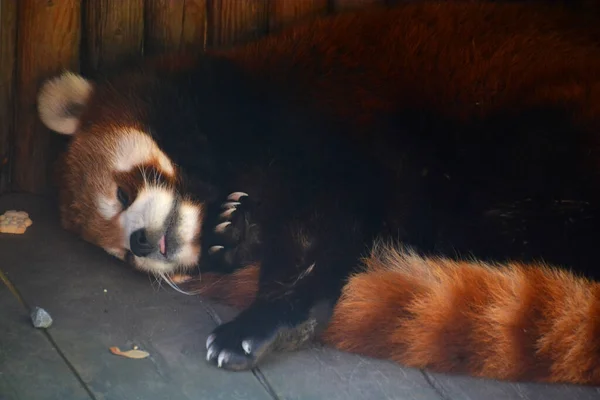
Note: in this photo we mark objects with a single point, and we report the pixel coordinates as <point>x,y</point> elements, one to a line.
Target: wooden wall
<point>39,38</point>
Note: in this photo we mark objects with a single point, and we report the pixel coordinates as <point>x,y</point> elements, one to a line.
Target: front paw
<point>235,236</point>
<point>237,346</point>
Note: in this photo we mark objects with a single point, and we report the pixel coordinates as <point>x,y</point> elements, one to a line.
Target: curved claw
<point>227,213</point>
<point>210,339</point>
<point>210,354</point>
<point>236,196</point>
<point>222,226</point>
<point>215,249</point>
<point>230,204</point>
<point>247,346</point>
<point>223,357</point>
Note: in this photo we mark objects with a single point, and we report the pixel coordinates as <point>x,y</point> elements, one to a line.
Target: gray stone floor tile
<point>68,278</point>
<point>97,302</point>
<point>466,388</point>
<point>30,367</point>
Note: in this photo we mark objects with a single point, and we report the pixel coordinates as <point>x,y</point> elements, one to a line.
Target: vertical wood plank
<point>114,31</point>
<point>174,25</point>
<point>285,12</point>
<point>339,5</point>
<point>48,35</point>
<point>8,38</point>
<point>233,21</point>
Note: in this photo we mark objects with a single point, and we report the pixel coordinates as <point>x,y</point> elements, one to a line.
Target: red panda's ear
<point>61,100</point>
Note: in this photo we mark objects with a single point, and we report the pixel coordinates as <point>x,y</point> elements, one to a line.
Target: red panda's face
<point>118,189</point>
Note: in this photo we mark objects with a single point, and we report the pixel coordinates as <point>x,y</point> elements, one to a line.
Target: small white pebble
<point>135,347</point>
<point>40,318</point>
<point>105,291</point>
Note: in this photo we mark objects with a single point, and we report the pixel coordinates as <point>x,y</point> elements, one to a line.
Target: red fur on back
<point>459,58</point>
<point>509,322</point>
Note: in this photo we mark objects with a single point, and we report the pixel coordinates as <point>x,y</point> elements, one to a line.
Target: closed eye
<point>123,197</point>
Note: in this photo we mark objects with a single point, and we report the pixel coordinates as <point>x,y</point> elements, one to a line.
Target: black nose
<point>139,244</point>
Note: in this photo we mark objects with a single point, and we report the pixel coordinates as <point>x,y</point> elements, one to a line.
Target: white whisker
<point>174,286</point>
<point>156,283</point>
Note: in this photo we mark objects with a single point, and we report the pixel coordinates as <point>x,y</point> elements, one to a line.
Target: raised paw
<point>234,234</point>
<point>234,219</point>
<point>237,346</point>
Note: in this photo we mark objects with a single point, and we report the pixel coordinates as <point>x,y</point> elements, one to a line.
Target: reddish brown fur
<point>524,55</point>
<point>237,289</point>
<point>510,322</point>
<point>79,212</point>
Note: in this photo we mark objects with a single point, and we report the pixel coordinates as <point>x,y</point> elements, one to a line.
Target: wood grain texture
<point>47,42</point>
<point>233,21</point>
<point>285,12</point>
<point>174,25</point>
<point>339,5</point>
<point>8,31</point>
<point>114,31</point>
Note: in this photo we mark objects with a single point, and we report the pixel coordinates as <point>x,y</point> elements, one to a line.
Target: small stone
<point>105,291</point>
<point>40,318</point>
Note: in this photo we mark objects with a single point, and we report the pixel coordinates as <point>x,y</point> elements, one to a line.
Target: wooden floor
<point>97,302</point>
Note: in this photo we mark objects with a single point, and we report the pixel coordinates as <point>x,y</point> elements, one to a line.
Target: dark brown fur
<point>461,61</point>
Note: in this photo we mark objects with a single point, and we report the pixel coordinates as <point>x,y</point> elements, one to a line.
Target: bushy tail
<point>511,322</point>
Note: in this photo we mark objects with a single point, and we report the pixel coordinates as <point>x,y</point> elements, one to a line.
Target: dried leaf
<point>129,353</point>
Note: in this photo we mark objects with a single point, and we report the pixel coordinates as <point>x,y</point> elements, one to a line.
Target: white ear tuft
<point>61,101</point>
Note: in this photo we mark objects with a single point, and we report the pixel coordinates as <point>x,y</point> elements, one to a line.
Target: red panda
<point>234,162</point>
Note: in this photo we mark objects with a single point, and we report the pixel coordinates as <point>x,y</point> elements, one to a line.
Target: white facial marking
<point>151,265</point>
<point>135,148</point>
<point>107,207</point>
<point>189,225</point>
<point>149,210</point>
<point>188,255</point>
